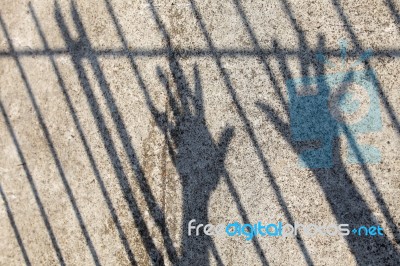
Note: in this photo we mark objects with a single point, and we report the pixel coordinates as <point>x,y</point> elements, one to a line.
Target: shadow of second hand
<point>345,199</point>
<point>346,202</point>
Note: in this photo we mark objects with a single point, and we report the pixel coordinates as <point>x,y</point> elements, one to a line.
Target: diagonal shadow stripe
<point>75,49</point>
<point>389,110</point>
<point>85,143</point>
<point>50,144</point>
<point>249,130</point>
<point>357,44</point>
<point>345,199</point>
<point>35,192</point>
<point>12,220</point>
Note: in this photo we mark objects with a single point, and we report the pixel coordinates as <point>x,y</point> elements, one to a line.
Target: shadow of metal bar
<point>11,219</point>
<point>177,73</point>
<point>395,12</point>
<point>258,50</point>
<point>249,129</point>
<point>353,210</point>
<point>388,106</point>
<point>183,52</point>
<point>88,151</point>
<point>390,111</point>
<point>372,185</point>
<point>75,50</point>
<point>50,144</point>
<point>35,192</point>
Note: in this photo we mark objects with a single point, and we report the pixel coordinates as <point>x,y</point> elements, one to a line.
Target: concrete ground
<point>121,121</point>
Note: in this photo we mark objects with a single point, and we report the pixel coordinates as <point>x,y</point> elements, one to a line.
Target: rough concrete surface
<point>121,121</point>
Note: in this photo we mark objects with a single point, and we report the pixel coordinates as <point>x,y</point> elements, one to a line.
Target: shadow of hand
<point>199,160</point>
<point>197,157</point>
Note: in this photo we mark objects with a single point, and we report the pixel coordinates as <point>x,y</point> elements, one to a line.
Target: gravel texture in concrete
<point>122,121</point>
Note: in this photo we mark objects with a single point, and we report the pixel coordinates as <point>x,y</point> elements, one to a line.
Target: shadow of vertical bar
<point>345,199</point>
<point>273,80</point>
<point>77,55</point>
<point>168,242</point>
<point>368,176</point>
<point>181,83</point>
<point>39,203</point>
<point>248,127</point>
<point>50,144</point>
<point>395,12</point>
<point>14,226</point>
<point>88,151</point>
<point>388,106</point>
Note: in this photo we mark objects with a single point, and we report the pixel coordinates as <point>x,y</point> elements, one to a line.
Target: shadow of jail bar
<point>305,65</point>
<point>52,149</point>
<point>79,50</point>
<point>250,131</point>
<point>390,111</point>
<point>194,53</point>
<point>345,199</point>
<point>176,72</point>
<point>85,143</point>
<point>358,47</point>
<point>12,220</point>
